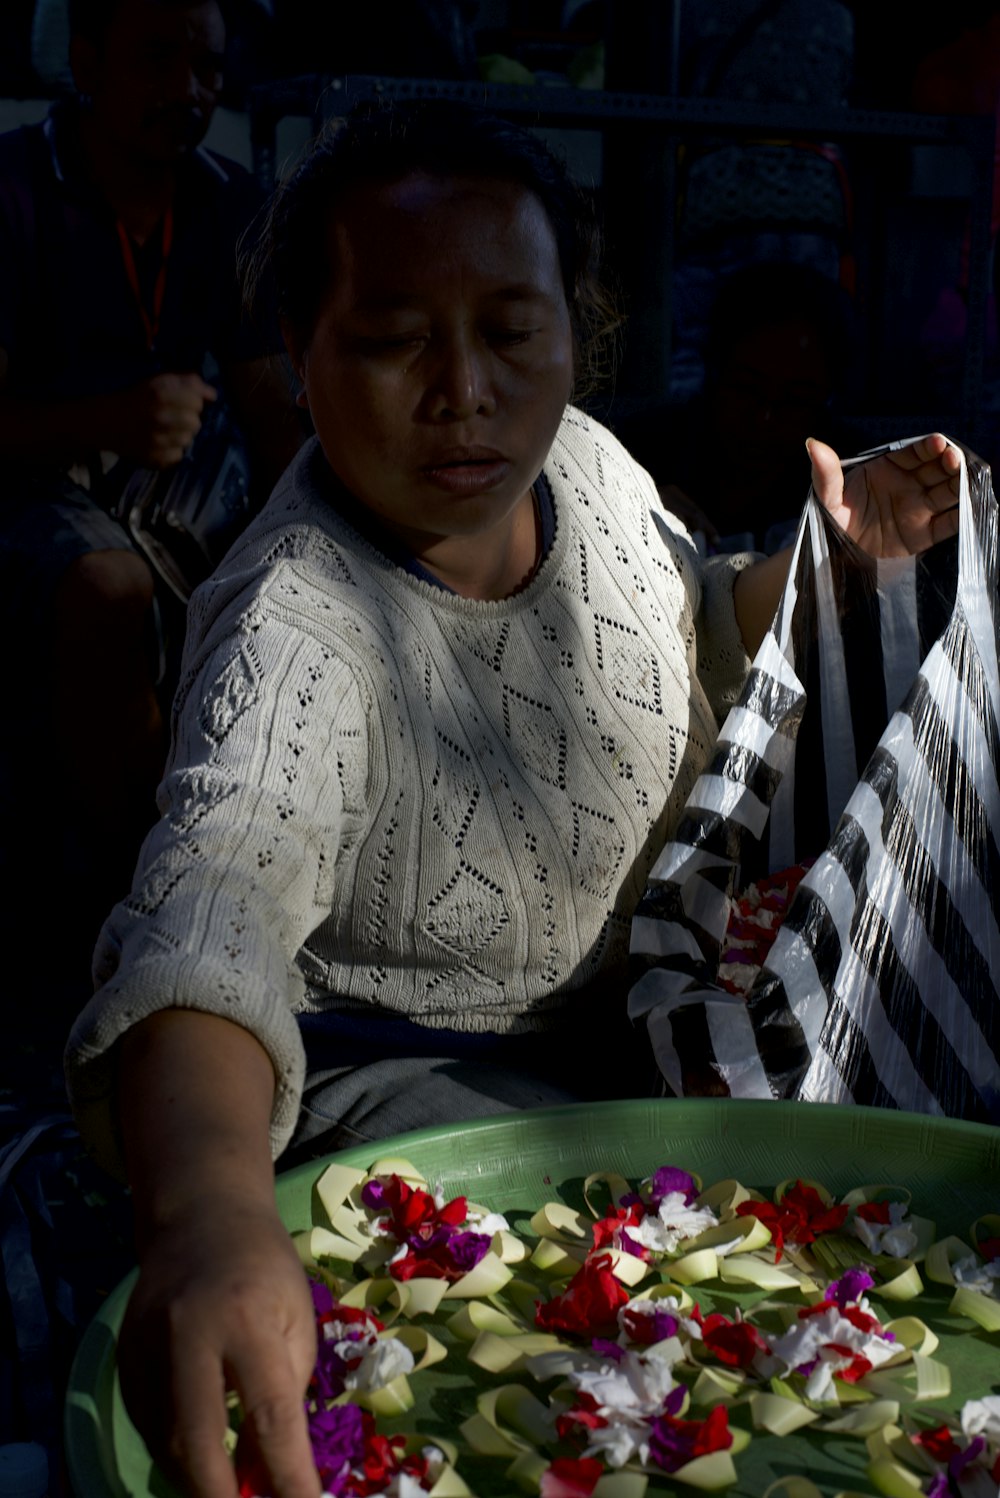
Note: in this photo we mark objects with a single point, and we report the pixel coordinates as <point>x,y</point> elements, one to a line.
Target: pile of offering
<point>646,1339</point>
<point>755,918</point>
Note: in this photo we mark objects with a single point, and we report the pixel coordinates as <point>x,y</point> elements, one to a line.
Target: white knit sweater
<point>381,793</point>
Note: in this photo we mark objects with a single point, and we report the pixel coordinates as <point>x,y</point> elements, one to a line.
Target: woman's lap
<point>360,1104</point>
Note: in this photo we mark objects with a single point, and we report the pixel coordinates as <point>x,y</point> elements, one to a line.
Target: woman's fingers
<point>193,1453</point>
<point>933,465</point>
<point>898,504</point>
<point>827,474</point>
<point>222,1301</point>
<point>934,448</point>
<point>275,1430</point>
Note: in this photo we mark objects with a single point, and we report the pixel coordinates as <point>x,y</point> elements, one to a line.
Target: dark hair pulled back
<point>288,259</point>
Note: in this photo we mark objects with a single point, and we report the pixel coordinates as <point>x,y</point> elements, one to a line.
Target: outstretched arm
<point>895,505</point>
<point>221,1298</point>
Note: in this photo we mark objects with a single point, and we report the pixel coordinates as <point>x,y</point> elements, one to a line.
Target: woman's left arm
<point>896,505</point>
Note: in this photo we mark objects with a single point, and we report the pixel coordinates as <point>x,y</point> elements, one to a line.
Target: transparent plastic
<point>866,739</point>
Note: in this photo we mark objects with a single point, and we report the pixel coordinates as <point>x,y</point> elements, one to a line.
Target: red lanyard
<point>150,323</point>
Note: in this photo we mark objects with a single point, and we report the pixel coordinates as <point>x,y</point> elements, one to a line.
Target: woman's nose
<point>461,384</point>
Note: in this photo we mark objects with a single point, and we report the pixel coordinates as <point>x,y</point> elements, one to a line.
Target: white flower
<point>970,1274</point>
<point>435,1459</point>
<point>672,1224</point>
<point>405,1486</point>
<point>897,1237</point>
<point>632,1388</point>
<point>376,1227</point>
<point>899,1242</point>
<point>619,1442</point>
<point>981,1417</point>
<point>384,1359</point>
<point>811,1337</point>
<point>487,1222</point>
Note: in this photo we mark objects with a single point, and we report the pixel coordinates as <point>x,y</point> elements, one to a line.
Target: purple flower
<point>328,1375</point>
<point>674,1400</point>
<point>466,1249</point>
<point>668,1179</point>
<point>674,1442</point>
<point>606,1349</point>
<point>628,1245</point>
<point>331,1366</point>
<point>338,1442</point>
<point>663,1325</point>
<point>428,1238</point>
<point>945,1484</point>
<point>373,1195</point>
<point>850,1287</point>
<point>670,1446</point>
<point>322,1297</point>
<point>961,1459</point>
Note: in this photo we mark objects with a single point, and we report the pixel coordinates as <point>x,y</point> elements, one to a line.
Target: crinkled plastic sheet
<point>866,738</point>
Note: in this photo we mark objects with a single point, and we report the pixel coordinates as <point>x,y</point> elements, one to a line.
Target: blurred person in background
<point>121,328</point>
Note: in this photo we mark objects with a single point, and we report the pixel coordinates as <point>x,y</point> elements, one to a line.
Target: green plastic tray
<point>515,1163</point>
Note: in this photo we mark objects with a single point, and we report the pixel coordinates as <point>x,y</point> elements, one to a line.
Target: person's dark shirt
<point>69,320</point>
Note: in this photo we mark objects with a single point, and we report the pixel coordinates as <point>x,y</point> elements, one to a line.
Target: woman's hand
<point>222,1302</point>
<point>895,505</point>
<point>892,506</point>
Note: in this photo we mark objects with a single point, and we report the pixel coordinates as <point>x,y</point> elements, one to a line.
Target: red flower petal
<point>571,1477</point>
<point>734,1343</point>
<point>874,1212</point>
<point>589,1305</point>
<point>938,1443</point>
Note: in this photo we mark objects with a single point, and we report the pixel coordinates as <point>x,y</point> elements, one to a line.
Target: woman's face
<point>442,358</point>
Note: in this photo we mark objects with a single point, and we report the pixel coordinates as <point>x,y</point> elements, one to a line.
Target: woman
<point>440,705</point>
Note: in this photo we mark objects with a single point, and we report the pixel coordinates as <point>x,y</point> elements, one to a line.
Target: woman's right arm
<point>222,1301</point>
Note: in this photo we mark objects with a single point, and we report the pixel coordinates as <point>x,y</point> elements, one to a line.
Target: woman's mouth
<point>472,472</point>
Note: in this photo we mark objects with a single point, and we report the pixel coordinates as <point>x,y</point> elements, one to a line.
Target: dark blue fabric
<point>65,1242</point>
<point>68,318</point>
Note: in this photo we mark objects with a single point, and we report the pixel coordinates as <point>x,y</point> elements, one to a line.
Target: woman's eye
<point>510,337</point>
<point>388,343</point>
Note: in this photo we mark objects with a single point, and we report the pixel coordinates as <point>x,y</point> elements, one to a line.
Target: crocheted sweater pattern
<point>381,793</point>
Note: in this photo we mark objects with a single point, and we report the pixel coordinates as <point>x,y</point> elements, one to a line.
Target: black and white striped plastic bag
<point>866,738</point>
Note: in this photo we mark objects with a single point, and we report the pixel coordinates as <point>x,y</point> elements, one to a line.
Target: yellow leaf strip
<point>509,1354</point>
<point>980,1308</point>
<point>777,1415</point>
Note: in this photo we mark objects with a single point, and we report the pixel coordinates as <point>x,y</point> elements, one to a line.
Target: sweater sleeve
<point>721,660</point>
<point>237,873</point>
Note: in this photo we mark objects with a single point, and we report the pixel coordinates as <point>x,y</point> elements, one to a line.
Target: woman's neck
<point>493,565</point>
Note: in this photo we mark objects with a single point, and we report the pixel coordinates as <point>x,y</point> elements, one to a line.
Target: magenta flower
<point>373,1195</point>
<point>605,1349</point>
<point>945,1484</point>
<point>850,1287</point>
<point>668,1180</point>
<point>338,1443</point>
<point>328,1378</point>
<point>673,1442</point>
<point>322,1298</point>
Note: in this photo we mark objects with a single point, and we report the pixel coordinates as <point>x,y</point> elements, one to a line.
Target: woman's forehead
<point>420,228</point>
